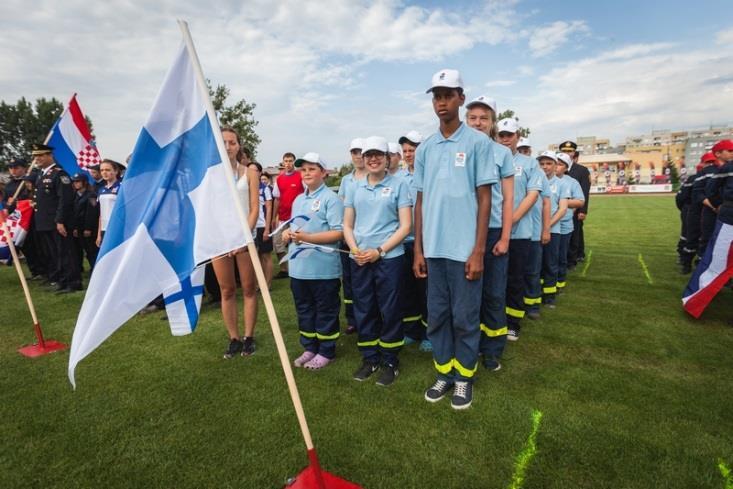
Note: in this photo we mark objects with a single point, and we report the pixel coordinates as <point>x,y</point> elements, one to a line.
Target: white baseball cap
<point>375,143</point>
<point>483,100</point>
<point>309,158</point>
<point>548,154</point>
<point>508,124</point>
<point>356,143</point>
<point>394,148</point>
<point>446,78</point>
<point>565,158</point>
<point>413,137</point>
<point>524,142</point>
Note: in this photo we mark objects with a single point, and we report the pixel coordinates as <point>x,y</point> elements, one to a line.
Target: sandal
<point>318,362</point>
<point>306,357</point>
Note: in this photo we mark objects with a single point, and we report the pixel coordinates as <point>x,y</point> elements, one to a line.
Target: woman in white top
<point>107,195</point>
<point>248,191</point>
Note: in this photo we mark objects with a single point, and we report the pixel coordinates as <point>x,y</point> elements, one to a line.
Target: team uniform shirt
<point>536,211</point>
<point>701,180</point>
<point>558,191</point>
<point>327,214</point>
<point>720,186</point>
<point>409,179</point>
<point>107,198</point>
<point>504,169</point>
<point>376,208</point>
<point>566,223</point>
<point>447,172</point>
<point>265,195</point>
<point>527,177</point>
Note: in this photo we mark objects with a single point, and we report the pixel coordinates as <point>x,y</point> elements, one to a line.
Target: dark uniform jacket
<point>54,200</point>
<point>10,189</point>
<point>582,175</point>
<point>720,188</point>
<point>684,195</point>
<point>86,213</point>
<point>698,187</point>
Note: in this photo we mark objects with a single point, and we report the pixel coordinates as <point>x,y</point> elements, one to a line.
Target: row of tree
<point>24,123</point>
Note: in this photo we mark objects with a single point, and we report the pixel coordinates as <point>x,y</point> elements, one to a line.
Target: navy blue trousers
<point>346,287</point>
<point>415,305</point>
<point>532,274</point>
<point>378,309</point>
<point>317,305</point>
<point>562,262</point>
<point>454,306</point>
<point>550,258</point>
<point>493,299</point>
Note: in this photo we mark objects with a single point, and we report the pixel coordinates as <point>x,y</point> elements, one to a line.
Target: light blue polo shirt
<point>527,176</point>
<point>376,209</point>
<point>504,169</point>
<point>558,190</point>
<point>536,212</point>
<point>329,216</point>
<point>346,181</point>
<point>409,178</point>
<point>447,172</point>
<point>566,223</point>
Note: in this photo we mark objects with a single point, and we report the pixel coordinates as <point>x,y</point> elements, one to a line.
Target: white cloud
<point>525,70</point>
<point>724,37</point>
<point>548,38</point>
<point>616,94</point>
<point>295,59</point>
<point>500,83</point>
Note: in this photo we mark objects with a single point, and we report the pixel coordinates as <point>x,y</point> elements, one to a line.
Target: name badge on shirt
<point>460,159</point>
<point>316,205</point>
<point>386,191</point>
<point>553,188</point>
<point>517,171</point>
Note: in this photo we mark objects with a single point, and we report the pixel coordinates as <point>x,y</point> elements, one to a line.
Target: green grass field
<point>633,393</point>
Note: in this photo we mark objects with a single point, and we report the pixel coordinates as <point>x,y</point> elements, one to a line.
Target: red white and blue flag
<point>712,273</point>
<point>18,223</point>
<point>72,142</point>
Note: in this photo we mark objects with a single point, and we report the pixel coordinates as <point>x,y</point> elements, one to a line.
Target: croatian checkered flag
<point>72,142</point>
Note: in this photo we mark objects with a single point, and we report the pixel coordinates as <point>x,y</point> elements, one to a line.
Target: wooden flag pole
<point>42,347</point>
<point>313,476</point>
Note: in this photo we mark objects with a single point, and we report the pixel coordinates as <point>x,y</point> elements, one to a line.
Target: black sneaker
<point>235,346</point>
<point>387,375</point>
<point>365,371</point>
<point>512,335</point>
<point>462,395</point>
<point>248,346</point>
<point>534,315</point>
<point>492,364</point>
<point>438,390</point>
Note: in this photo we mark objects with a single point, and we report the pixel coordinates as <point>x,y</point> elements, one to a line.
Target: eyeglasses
<point>373,155</point>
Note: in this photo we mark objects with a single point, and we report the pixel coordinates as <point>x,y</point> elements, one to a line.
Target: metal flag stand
<point>312,477</point>
<point>42,345</point>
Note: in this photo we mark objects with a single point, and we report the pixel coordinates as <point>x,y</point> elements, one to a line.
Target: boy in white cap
<point>524,147</point>
<point>527,186</point>
<point>415,318</point>
<point>454,170</point>
<point>395,156</point>
<point>314,281</point>
<point>377,218</point>
<point>576,201</point>
<point>559,195</point>
<point>359,173</point>
<point>481,115</point>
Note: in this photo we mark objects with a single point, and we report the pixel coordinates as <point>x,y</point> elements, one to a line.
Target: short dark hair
<point>289,155</point>
<point>256,165</point>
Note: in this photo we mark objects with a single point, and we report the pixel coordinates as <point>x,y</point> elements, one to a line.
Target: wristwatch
<point>382,253</point>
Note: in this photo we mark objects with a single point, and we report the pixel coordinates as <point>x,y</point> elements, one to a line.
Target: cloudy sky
<point>323,72</point>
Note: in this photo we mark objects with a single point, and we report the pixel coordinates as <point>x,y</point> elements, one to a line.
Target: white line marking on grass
<point>646,270</point>
<point>527,453</point>
<point>725,472</point>
<point>587,263</point>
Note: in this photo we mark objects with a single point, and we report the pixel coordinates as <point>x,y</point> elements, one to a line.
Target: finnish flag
<point>175,209</point>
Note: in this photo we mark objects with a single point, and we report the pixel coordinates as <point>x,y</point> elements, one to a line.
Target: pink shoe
<point>318,362</point>
<point>304,358</point>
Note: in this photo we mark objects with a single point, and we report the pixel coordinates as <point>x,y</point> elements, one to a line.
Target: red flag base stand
<point>312,477</point>
<point>42,347</point>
